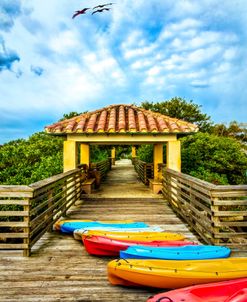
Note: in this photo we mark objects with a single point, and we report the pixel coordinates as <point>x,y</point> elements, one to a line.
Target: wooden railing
<point>27,212</point>
<point>144,170</point>
<point>103,167</point>
<point>217,213</point>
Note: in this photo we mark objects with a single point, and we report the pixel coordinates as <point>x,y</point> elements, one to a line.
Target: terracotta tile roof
<point>121,119</point>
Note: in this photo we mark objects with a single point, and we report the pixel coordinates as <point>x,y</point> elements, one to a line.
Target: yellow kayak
<point>142,235</point>
<point>58,224</point>
<point>174,273</point>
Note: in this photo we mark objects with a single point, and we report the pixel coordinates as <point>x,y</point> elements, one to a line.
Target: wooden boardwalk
<point>59,269</point>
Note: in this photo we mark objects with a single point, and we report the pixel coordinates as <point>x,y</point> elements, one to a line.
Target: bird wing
<point>97,11</point>
<point>100,10</point>
<point>102,5</point>
<point>80,12</point>
<point>75,14</point>
<point>98,6</point>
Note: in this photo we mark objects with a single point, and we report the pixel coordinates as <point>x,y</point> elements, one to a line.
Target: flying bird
<point>100,10</point>
<point>103,5</point>
<point>80,12</point>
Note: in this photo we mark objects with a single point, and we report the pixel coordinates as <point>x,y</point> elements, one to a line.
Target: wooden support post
<point>158,159</point>
<point>173,155</point>
<point>27,251</point>
<point>216,221</point>
<point>113,155</point>
<point>69,155</point>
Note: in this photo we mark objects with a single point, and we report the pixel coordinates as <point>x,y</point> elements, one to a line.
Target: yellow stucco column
<point>113,155</point>
<point>158,159</point>
<point>133,152</point>
<point>173,155</point>
<point>84,154</point>
<point>69,155</point>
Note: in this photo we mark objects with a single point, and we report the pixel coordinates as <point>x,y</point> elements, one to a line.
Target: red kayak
<point>104,246</point>
<point>226,291</point>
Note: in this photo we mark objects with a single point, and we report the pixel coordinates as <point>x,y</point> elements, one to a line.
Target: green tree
<point>179,108</point>
<point>235,129</point>
<point>99,153</point>
<point>219,160</point>
<point>27,161</point>
<point>69,115</point>
<point>145,153</point>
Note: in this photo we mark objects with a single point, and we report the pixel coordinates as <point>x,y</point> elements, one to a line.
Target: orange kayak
<point>174,273</point>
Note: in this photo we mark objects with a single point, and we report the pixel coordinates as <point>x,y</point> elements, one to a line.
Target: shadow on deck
<point>59,268</point>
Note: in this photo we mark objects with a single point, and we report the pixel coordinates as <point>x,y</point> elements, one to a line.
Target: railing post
<point>27,251</point>
<point>169,188</point>
<point>110,163</point>
<point>145,173</point>
<point>63,209</point>
<point>79,176</point>
<point>215,222</point>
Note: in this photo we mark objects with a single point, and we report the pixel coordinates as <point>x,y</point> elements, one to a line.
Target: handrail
<point>103,167</point>
<point>217,213</point>
<point>35,208</point>
<point>144,170</point>
<point>27,212</point>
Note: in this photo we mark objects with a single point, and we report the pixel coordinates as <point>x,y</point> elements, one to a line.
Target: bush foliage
<point>219,160</point>
<point>26,161</point>
<point>23,162</point>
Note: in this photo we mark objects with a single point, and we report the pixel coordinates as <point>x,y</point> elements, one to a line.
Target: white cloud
<point>64,42</point>
<point>139,50</point>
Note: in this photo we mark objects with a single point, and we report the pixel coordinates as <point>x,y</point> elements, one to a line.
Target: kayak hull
<point>84,231</point>
<point>173,273</point>
<point>70,227</point>
<point>225,291</point>
<point>139,236</point>
<point>103,246</point>
<point>58,224</point>
<point>176,253</point>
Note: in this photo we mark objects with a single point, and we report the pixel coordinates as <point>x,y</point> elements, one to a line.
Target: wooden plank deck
<point>59,269</point>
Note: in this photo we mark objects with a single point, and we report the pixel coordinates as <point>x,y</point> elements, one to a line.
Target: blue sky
<point>51,64</point>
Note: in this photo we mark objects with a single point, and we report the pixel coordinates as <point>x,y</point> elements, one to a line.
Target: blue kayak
<point>70,227</point>
<point>188,252</point>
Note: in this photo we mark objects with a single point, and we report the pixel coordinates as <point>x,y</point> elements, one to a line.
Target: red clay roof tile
<point>121,118</point>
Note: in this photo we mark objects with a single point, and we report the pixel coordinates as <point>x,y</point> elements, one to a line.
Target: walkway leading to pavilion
<point>122,181</point>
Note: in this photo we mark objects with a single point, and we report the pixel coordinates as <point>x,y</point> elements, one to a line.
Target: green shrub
<point>26,161</point>
<point>145,153</point>
<point>220,160</point>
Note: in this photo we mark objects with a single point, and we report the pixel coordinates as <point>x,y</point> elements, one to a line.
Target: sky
<point>140,50</point>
